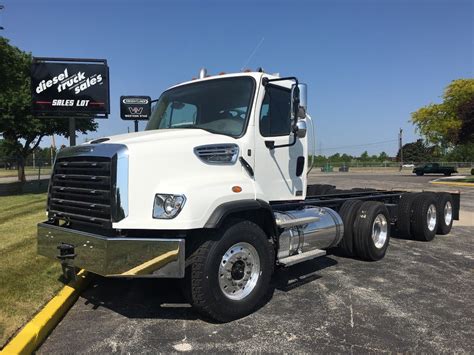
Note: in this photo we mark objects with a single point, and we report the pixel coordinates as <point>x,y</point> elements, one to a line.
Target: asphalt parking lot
<point>417,299</point>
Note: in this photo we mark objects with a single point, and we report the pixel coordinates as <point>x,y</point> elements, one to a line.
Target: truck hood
<point>161,135</point>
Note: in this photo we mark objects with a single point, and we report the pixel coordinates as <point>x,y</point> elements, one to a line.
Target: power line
<point>360,145</point>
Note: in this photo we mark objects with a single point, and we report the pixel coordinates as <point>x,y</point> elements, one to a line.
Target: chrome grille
<point>81,190</point>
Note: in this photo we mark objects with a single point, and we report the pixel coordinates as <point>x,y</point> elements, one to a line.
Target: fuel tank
<point>320,228</point>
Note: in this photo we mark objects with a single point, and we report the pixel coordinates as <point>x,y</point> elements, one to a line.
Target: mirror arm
<point>265,80</point>
<point>271,144</point>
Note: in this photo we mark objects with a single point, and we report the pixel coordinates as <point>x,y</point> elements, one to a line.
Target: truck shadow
<point>287,279</point>
<point>163,298</point>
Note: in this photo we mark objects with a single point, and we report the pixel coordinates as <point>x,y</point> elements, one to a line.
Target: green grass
<point>27,281</point>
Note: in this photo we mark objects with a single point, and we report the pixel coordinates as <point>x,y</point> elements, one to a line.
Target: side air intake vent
<point>218,153</point>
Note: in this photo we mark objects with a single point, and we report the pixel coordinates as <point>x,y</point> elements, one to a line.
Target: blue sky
<point>367,63</point>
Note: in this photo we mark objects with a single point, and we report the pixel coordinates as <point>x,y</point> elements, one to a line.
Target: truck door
<point>280,173</point>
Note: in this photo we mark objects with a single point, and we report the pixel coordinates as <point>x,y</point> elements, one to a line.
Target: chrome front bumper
<point>116,257</point>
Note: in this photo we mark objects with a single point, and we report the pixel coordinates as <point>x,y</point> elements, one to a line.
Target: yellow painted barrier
<point>36,331</point>
<point>468,184</point>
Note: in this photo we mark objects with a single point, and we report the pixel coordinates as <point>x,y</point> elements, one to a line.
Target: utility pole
<point>400,146</point>
<point>1,8</point>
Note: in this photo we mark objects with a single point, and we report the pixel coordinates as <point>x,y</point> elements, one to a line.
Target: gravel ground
<point>417,299</point>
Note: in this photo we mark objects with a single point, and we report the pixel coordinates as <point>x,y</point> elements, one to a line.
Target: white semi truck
<point>215,192</point>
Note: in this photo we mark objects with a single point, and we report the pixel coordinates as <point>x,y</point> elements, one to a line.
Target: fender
<point>228,208</point>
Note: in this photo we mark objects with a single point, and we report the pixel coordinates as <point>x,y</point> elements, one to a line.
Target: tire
<point>336,191</point>
<point>318,189</point>
<point>361,189</point>
<point>420,174</point>
<point>447,174</point>
<point>404,215</point>
<point>371,231</point>
<point>205,277</point>
<point>348,214</point>
<point>444,207</point>
<point>424,220</point>
<point>323,189</point>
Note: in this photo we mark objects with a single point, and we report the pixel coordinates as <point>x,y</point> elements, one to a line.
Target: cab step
<point>298,258</point>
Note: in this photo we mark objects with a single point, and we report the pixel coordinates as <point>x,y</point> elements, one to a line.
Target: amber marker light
<point>236,189</point>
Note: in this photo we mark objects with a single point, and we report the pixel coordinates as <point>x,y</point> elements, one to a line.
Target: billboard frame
<point>70,114</point>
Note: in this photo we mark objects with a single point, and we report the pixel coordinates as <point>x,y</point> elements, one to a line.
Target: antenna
<point>253,53</point>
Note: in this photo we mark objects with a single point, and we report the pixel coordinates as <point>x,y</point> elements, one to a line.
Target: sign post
<point>135,108</point>
<point>72,131</point>
<point>70,88</point>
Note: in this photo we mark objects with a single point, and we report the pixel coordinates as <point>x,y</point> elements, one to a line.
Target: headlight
<point>168,206</point>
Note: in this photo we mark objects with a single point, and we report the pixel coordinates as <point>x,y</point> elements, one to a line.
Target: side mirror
<point>303,100</point>
<point>299,101</point>
<point>300,129</point>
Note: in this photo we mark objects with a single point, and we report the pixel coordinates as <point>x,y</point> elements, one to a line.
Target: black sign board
<point>70,87</point>
<point>135,107</point>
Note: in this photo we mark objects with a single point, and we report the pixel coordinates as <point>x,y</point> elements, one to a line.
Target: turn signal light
<point>236,189</point>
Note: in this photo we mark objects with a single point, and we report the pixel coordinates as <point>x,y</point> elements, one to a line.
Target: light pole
<point>400,145</point>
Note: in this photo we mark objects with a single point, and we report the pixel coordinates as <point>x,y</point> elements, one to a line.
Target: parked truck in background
<point>215,192</point>
<point>434,168</point>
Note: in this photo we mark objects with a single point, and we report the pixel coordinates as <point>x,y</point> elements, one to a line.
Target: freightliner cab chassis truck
<point>214,192</point>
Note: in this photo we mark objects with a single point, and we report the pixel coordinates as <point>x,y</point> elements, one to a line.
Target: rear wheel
<point>323,189</point>
<point>348,214</point>
<point>420,173</point>
<point>361,189</point>
<point>372,231</point>
<point>228,278</point>
<point>444,207</point>
<point>404,214</point>
<point>424,221</point>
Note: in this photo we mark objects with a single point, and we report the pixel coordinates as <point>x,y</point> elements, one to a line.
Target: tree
<point>466,114</point>
<point>450,122</point>
<point>346,158</point>
<point>415,152</point>
<point>21,131</point>
<point>364,156</point>
<point>383,157</point>
<point>462,153</point>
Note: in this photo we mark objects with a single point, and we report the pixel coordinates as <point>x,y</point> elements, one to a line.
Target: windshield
<point>219,106</point>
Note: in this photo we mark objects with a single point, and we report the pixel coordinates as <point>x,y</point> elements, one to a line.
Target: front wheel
<point>227,278</point>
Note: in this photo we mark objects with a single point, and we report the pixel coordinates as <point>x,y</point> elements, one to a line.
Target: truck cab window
<point>219,106</point>
<point>275,112</point>
<point>178,114</point>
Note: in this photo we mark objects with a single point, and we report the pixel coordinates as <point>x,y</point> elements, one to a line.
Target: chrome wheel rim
<point>448,213</point>
<point>239,271</point>
<point>379,231</point>
<point>431,217</point>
